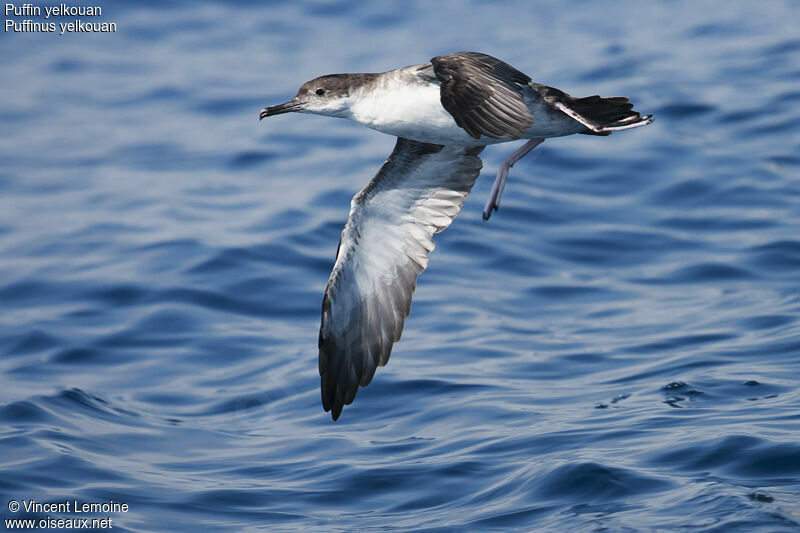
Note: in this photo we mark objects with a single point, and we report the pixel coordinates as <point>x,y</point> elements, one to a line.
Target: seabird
<point>443,114</point>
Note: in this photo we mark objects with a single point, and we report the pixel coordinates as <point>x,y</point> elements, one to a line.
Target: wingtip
<point>329,400</point>
<point>334,407</point>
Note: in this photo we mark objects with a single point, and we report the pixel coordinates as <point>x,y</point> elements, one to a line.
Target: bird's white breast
<point>404,105</point>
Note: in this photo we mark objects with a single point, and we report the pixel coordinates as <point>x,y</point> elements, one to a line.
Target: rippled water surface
<point>617,349</point>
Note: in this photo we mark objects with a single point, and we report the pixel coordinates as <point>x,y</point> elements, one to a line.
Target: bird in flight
<point>443,114</point>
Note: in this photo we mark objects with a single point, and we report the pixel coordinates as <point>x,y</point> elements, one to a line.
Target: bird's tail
<point>608,114</point>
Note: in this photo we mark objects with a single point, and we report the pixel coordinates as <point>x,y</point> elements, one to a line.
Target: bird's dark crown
<point>335,85</point>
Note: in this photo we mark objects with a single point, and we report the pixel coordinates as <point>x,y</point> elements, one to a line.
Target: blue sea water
<point>617,349</point>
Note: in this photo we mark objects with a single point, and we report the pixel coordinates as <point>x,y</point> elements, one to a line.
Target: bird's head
<point>326,95</point>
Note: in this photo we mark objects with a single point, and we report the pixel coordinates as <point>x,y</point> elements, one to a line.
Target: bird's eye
<point>320,92</point>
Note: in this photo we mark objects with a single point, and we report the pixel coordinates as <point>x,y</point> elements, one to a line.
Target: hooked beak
<point>292,105</point>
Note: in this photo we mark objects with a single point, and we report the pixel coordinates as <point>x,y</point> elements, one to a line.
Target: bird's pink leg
<point>502,174</point>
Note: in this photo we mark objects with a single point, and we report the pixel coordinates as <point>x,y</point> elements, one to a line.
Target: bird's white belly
<point>413,111</point>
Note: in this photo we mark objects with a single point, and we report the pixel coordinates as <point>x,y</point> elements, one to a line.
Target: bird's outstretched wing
<point>385,244</point>
<point>483,94</point>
